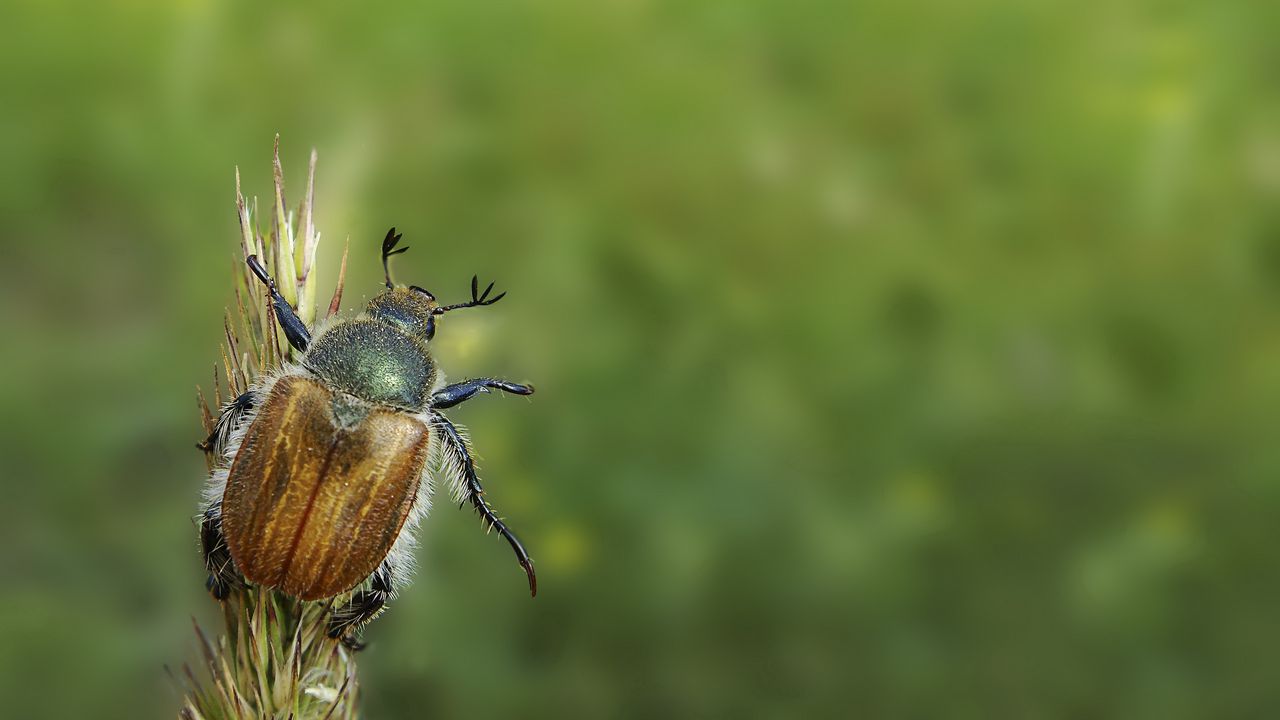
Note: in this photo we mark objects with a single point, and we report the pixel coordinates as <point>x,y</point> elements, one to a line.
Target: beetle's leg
<point>455,394</point>
<point>213,545</point>
<point>456,450</point>
<point>363,606</point>
<point>294,329</point>
<point>227,422</point>
<point>217,557</point>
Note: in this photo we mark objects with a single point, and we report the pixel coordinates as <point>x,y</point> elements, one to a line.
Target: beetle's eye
<point>415,288</point>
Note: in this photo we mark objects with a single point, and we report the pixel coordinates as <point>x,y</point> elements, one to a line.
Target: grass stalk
<point>273,658</point>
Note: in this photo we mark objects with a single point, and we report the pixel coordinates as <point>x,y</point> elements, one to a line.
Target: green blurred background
<point>894,359</point>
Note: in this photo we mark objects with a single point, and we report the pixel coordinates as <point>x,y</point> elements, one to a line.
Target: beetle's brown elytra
<point>311,507</point>
<point>321,470</point>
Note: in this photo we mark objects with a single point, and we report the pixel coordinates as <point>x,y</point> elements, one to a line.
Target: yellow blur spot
<point>1168,101</point>
<point>915,492</point>
<point>1167,520</point>
<point>566,548</point>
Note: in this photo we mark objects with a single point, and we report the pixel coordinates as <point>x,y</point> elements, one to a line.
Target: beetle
<point>323,469</point>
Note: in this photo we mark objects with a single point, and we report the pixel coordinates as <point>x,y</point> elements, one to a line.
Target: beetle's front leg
<point>455,449</point>
<point>457,393</point>
<point>294,329</point>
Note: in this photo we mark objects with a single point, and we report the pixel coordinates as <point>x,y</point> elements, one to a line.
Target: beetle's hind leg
<point>228,421</point>
<point>363,606</point>
<point>223,575</point>
<point>460,465</point>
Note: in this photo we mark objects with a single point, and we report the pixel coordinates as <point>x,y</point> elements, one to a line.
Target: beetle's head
<point>413,308</point>
<point>410,308</point>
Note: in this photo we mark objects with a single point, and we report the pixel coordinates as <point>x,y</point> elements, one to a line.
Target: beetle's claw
<point>527,564</point>
<point>353,643</point>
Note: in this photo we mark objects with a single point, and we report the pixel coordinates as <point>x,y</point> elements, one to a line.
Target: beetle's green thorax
<point>410,309</point>
<point>375,360</point>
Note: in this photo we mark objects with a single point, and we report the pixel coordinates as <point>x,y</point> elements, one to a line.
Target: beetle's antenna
<point>478,298</point>
<point>388,245</point>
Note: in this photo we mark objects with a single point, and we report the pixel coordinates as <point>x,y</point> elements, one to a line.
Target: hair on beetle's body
<point>325,467</point>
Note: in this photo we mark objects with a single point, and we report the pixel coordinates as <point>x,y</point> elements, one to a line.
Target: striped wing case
<point>312,507</point>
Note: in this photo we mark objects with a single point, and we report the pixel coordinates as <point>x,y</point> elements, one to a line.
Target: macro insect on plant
<point>323,467</point>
